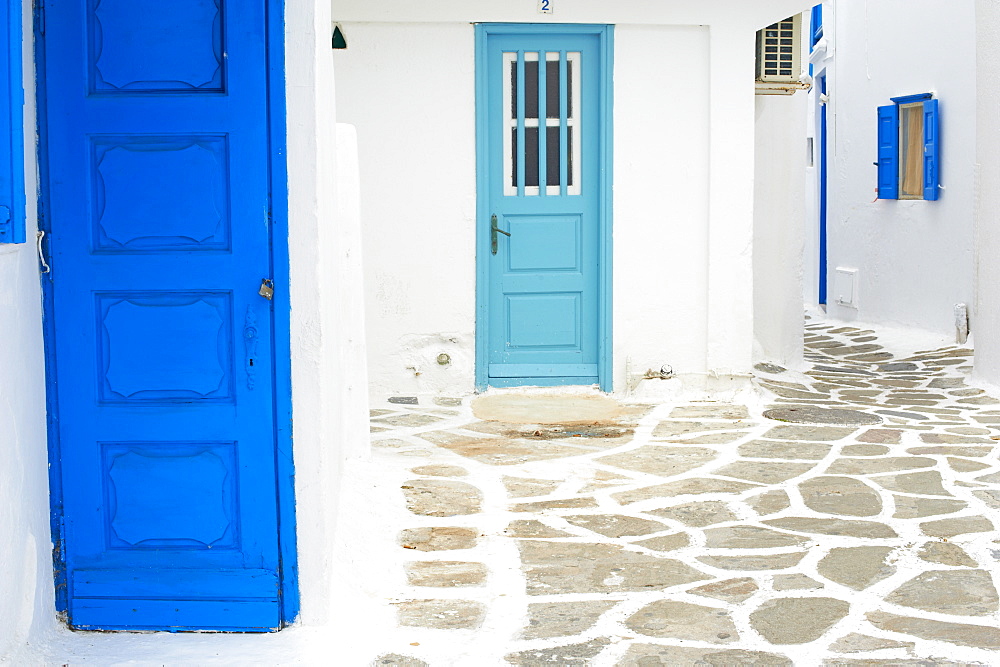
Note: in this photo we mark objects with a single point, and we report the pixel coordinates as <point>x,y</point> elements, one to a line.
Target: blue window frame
<point>909,146</point>
<point>815,26</point>
<point>11,128</point>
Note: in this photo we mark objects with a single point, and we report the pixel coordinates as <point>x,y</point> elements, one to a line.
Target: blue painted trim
<point>543,381</point>
<point>542,370</point>
<point>815,26</point>
<point>932,150</point>
<point>48,330</point>
<point>823,189</point>
<point>281,305</point>
<point>888,151</point>
<point>563,127</point>
<point>521,164</point>
<point>543,135</point>
<point>889,165</point>
<point>12,119</point>
<point>605,307</point>
<point>909,99</point>
<point>482,213</point>
<point>605,311</point>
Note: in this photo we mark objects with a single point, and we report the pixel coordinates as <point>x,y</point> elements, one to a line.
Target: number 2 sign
<point>545,6</point>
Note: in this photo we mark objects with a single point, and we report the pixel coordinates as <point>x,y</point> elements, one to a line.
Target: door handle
<point>493,234</point>
<point>39,237</point>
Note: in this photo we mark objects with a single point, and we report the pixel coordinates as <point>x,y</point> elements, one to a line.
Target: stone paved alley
<point>845,516</point>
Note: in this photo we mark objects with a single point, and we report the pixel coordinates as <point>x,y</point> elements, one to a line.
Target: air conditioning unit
<point>779,51</point>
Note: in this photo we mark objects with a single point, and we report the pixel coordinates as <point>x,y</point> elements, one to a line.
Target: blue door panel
<point>162,358</point>
<point>146,45</point>
<point>541,381</point>
<point>231,615</point>
<point>540,306</point>
<point>544,243</point>
<point>540,371</point>
<point>159,584</point>
<point>184,206</point>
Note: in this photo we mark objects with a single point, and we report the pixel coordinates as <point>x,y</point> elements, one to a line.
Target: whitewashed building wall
<point>779,232</point>
<point>683,216</point>
<point>987,213</point>
<point>26,586</point>
<point>914,259</point>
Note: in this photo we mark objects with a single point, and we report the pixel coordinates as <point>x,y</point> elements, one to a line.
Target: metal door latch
<point>493,234</point>
<point>266,289</point>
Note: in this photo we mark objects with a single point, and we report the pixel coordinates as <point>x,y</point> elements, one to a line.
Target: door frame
<point>823,185</point>
<point>280,321</point>
<point>605,34</point>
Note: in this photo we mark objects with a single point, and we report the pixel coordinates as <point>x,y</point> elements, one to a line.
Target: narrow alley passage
<point>844,516</point>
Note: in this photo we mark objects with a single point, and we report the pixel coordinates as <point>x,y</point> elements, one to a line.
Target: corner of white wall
<point>986,313</point>
<point>27,612</point>
<point>730,244</point>
<point>779,228</point>
<point>327,326</point>
<point>350,334</point>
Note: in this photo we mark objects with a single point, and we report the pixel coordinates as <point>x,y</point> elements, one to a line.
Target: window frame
<point>815,26</point>
<point>891,143</point>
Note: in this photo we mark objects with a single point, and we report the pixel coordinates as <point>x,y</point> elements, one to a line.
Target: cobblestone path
<point>847,517</point>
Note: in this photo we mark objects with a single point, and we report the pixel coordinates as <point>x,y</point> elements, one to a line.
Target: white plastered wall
<point>779,232</point>
<point>683,138</point>
<point>329,374</point>
<point>408,92</point>
<point>914,258</point>
<point>987,314</point>
<point>661,199</point>
<point>27,610</point>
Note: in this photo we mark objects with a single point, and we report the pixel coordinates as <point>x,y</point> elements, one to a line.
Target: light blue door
<point>168,487</point>
<point>544,182</point>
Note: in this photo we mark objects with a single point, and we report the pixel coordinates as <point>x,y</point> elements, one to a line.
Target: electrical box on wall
<point>845,287</point>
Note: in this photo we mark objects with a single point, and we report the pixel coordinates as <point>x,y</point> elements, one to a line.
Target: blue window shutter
<point>888,152</point>
<point>932,148</point>
<point>816,25</point>
<point>11,127</point>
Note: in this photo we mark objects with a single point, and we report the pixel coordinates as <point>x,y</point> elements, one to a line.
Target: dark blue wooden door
<point>161,359</point>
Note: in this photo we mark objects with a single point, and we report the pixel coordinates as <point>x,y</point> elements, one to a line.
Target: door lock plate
<point>494,230</point>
